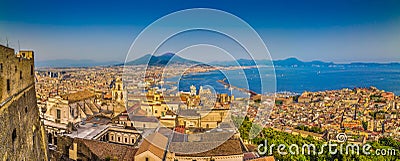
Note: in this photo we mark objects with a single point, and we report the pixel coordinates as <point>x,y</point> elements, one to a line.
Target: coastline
<point>295,81</point>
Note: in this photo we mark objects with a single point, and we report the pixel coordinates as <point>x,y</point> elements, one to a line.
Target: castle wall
<point>20,130</point>
<point>15,73</point>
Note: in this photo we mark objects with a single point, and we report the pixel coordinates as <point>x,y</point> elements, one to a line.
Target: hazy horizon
<point>113,61</point>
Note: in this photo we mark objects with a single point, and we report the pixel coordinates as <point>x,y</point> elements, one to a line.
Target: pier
<point>252,93</point>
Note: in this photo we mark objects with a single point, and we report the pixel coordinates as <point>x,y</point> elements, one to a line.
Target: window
<point>133,141</point>
<point>1,67</point>
<point>14,135</point>
<point>112,138</point>
<point>16,69</point>
<point>119,139</point>
<point>31,69</point>
<point>155,111</point>
<point>26,109</point>
<point>126,140</point>
<point>8,85</point>
<point>58,114</point>
<point>55,140</point>
<point>147,159</point>
<point>50,138</point>
<point>20,74</point>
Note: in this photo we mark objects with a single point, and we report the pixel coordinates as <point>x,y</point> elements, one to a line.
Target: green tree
<point>365,125</point>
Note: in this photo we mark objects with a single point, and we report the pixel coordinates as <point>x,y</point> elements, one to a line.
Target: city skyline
<point>200,80</point>
<point>327,31</point>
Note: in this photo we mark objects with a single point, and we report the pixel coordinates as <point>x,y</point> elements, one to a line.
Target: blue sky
<point>339,31</point>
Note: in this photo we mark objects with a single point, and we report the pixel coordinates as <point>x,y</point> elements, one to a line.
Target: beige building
<point>202,118</point>
<point>136,119</point>
<point>71,108</point>
<point>28,54</point>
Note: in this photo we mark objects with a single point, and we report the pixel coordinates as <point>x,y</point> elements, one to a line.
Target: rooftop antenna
<point>19,47</point>
<point>7,40</point>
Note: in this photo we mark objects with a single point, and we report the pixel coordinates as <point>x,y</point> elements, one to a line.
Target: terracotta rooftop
<point>269,158</point>
<point>104,150</point>
<point>250,155</point>
<point>78,96</point>
<point>229,147</point>
<point>155,143</point>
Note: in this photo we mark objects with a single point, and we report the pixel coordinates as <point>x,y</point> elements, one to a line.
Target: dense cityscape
<point>199,80</point>
<point>88,104</point>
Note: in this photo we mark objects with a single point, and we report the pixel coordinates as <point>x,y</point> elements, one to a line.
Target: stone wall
<point>15,73</point>
<point>20,128</point>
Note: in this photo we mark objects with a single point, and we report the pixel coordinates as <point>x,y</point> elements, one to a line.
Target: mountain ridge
<point>171,58</point>
<point>162,60</point>
<point>294,62</point>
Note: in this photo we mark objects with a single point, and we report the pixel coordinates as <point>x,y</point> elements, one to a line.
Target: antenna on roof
<point>19,47</point>
<point>7,40</point>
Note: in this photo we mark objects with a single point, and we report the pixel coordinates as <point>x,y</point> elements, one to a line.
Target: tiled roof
<point>104,150</point>
<point>143,118</point>
<point>269,158</point>
<point>78,96</point>
<point>155,143</point>
<point>229,147</point>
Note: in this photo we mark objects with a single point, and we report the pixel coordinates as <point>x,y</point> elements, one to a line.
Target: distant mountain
<point>242,62</point>
<point>361,64</point>
<point>167,58</point>
<point>175,59</point>
<point>297,62</point>
<point>291,62</point>
<point>73,63</point>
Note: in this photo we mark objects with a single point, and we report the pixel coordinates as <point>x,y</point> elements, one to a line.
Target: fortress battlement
<point>21,133</point>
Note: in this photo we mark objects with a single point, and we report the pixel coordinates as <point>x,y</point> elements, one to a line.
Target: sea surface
<point>295,79</point>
